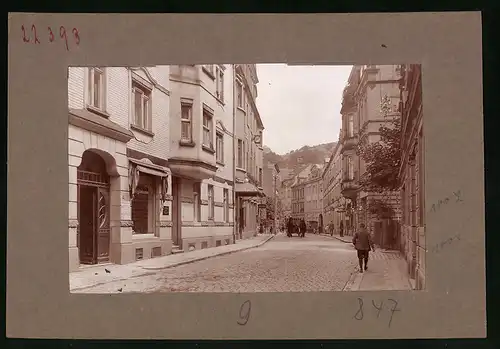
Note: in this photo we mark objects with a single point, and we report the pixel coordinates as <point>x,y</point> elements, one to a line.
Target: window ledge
<point>185,143</point>
<point>220,163</point>
<point>136,236</point>
<point>241,108</point>
<point>98,111</point>
<point>140,129</point>
<point>208,149</point>
<point>241,169</point>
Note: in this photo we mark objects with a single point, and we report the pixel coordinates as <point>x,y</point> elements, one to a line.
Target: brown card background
<point>448,45</point>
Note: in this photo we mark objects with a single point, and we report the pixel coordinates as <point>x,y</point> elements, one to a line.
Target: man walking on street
<point>363,243</point>
<point>302,228</point>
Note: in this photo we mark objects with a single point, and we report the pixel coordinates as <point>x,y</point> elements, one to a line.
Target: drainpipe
<point>234,155</point>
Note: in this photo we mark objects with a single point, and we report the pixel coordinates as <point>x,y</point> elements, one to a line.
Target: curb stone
<point>354,281</point>
<point>147,273</point>
<point>211,256</point>
<point>338,238</point>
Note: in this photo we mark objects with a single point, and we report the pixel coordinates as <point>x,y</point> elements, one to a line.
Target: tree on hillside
<point>382,160</point>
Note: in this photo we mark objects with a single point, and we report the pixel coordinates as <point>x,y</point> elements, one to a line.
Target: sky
<point>300,105</point>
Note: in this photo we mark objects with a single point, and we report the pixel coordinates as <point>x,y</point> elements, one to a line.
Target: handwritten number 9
<point>77,36</point>
<point>359,313</point>
<point>62,34</point>
<point>245,309</point>
<point>51,35</point>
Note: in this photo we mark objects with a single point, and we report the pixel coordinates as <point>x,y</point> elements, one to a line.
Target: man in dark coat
<point>290,227</point>
<point>303,228</point>
<point>363,243</point>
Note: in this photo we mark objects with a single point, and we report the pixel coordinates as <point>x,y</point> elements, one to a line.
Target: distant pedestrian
<point>290,227</point>
<point>302,228</point>
<point>363,243</point>
<point>341,228</point>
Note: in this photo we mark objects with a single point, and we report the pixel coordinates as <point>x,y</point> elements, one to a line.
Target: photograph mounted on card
<point>236,189</point>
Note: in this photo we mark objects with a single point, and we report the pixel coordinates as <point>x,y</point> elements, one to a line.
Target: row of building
<point>329,196</point>
<point>162,159</point>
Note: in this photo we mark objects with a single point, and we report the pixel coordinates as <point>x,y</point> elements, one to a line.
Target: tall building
<point>285,193</point>
<point>249,152</point>
<point>200,155</point>
<point>333,201</point>
<point>367,87</point>
<point>119,180</point>
<point>298,192</point>
<point>412,174</point>
<point>157,164</point>
<point>313,198</point>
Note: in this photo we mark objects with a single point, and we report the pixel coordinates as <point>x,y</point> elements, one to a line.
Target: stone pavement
<point>313,263</point>
<point>93,276</point>
<point>386,271</point>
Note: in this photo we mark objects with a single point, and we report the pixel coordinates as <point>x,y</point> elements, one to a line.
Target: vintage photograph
<point>246,178</point>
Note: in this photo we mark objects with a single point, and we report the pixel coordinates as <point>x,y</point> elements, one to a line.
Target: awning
<point>151,171</point>
<point>246,189</point>
<point>139,167</point>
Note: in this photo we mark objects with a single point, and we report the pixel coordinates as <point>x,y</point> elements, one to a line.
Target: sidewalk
<point>97,275</point>
<point>386,271</point>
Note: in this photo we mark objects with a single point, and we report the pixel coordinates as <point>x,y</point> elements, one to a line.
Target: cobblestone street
<point>314,263</point>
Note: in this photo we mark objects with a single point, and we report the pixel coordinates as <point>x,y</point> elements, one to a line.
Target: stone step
<point>176,249</point>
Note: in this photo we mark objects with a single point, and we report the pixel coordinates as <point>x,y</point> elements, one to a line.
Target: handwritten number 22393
<point>62,34</point>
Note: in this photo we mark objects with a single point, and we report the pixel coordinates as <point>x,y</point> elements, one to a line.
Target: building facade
<point>298,195</point>
<point>200,156</point>
<point>285,195</point>
<point>248,151</point>
<point>313,199</point>
<point>333,201</point>
<point>153,160</point>
<point>412,174</point>
<point>119,182</point>
<point>368,86</point>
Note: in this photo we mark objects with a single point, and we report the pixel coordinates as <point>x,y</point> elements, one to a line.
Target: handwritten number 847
<point>32,35</point>
<point>379,307</point>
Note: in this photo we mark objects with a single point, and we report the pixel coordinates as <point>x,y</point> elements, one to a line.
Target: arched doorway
<point>93,235</point>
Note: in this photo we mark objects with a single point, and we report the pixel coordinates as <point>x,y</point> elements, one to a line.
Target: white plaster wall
<point>119,104</point>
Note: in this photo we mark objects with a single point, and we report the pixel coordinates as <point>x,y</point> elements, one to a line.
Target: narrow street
<point>313,263</point>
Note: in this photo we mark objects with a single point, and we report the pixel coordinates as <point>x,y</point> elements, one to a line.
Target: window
<point>220,84</point>
<point>142,106</point>
<point>219,147</point>
<point>96,88</point>
<point>207,129</point>
<point>239,93</point>
<point>240,153</point>
<point>226,205</point>
<point>350,169</point>
<point>350,128</point>
<point>186,126</point>
<point>210,202</point>
<point>143,206</point>
<point>197,201</point>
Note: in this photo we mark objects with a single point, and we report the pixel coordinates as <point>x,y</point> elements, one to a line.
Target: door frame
<point>101,186</point>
